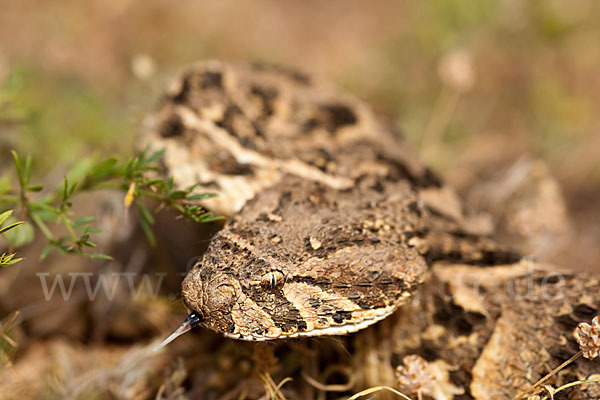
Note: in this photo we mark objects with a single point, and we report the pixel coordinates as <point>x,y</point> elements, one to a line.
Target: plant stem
<point>553,372</point>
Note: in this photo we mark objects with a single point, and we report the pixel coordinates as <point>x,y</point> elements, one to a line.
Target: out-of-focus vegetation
<point>55,206</point>
<point>8,259</point>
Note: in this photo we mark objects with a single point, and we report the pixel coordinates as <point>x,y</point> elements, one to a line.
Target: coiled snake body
<point>334,224</point>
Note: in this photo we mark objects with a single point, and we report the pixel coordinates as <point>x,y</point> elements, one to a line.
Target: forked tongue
<point>190,322</point>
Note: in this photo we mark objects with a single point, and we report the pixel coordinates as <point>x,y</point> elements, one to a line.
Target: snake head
<point>238,295</point>
<point>212,294</point>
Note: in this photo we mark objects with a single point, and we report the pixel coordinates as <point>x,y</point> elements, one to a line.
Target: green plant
<point>41,208</point>
<point>7,259</point>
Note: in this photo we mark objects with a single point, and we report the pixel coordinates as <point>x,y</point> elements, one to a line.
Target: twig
<point>328,388</point>
<point>553,372</point>
<point>571,384</point>
<point>378,389</point>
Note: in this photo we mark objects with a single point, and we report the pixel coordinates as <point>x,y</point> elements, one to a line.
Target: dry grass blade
<point>328,388</point>
<point>4,357</point>
<point>6,327</point>
<point>11,319</point>
<point>568,385</point>
<point>378,389</point>
<point>273,389</point>
<point>552,373</point>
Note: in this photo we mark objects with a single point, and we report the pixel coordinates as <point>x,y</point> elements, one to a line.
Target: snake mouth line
<point>330,330</point>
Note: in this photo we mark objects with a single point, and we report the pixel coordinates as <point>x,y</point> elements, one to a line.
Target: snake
<point>333,222</point>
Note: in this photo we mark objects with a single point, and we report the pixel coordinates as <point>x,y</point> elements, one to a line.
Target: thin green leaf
<point>191,188</point>
<point>200,196</point>
<point>45,252</point>
<point>81,169</point>
<point>209,217</point>
<point>128,170</point>
<point>72,189</point>
<point>6,257</point>
<point>18,167</point>
<point>83,221</point>
<point>170,184</point>
<point>39,206</point>
<point>161,186</point>
<point>155,156</point>
<point>16,260</point>
<point>21,236</point>
<point>145,213</point>
<point>98,256</point>
<point>148,231</point>
<point>65,193</point>
<point>42,226</point>
<point>193,209</point>
<point>104,170</point>
<point>36,188</point>
<point>59,246</point>
<point>27,176</point>
<point>5,215</point>
<point>143,153</point>
<point>152,182</point>
<point>9,227</point>
<point>7,260</point>
<point>177,195</point>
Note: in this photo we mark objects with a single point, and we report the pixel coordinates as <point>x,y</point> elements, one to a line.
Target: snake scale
<point>333,225</point>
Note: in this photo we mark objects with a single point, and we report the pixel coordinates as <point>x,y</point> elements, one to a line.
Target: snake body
<point>333,222</point>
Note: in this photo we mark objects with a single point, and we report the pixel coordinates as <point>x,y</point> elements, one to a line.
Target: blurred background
<point>490,80</point>
<point>489,92</point>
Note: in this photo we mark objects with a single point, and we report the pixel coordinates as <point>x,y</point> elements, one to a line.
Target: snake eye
<point>273,280</point>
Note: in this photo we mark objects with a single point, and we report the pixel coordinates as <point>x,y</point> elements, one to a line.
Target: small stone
<point>456,70</point>
<point>274,217</point>
<point>315,243</point>
<point>320,162</point>
<point>143,67</point>
<point>418,243</point>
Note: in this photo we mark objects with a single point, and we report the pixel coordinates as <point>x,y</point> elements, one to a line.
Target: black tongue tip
<point>190,322</point>
<point>193,319</point>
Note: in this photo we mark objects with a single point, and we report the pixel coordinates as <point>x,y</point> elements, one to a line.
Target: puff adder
<point>333,221</point>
